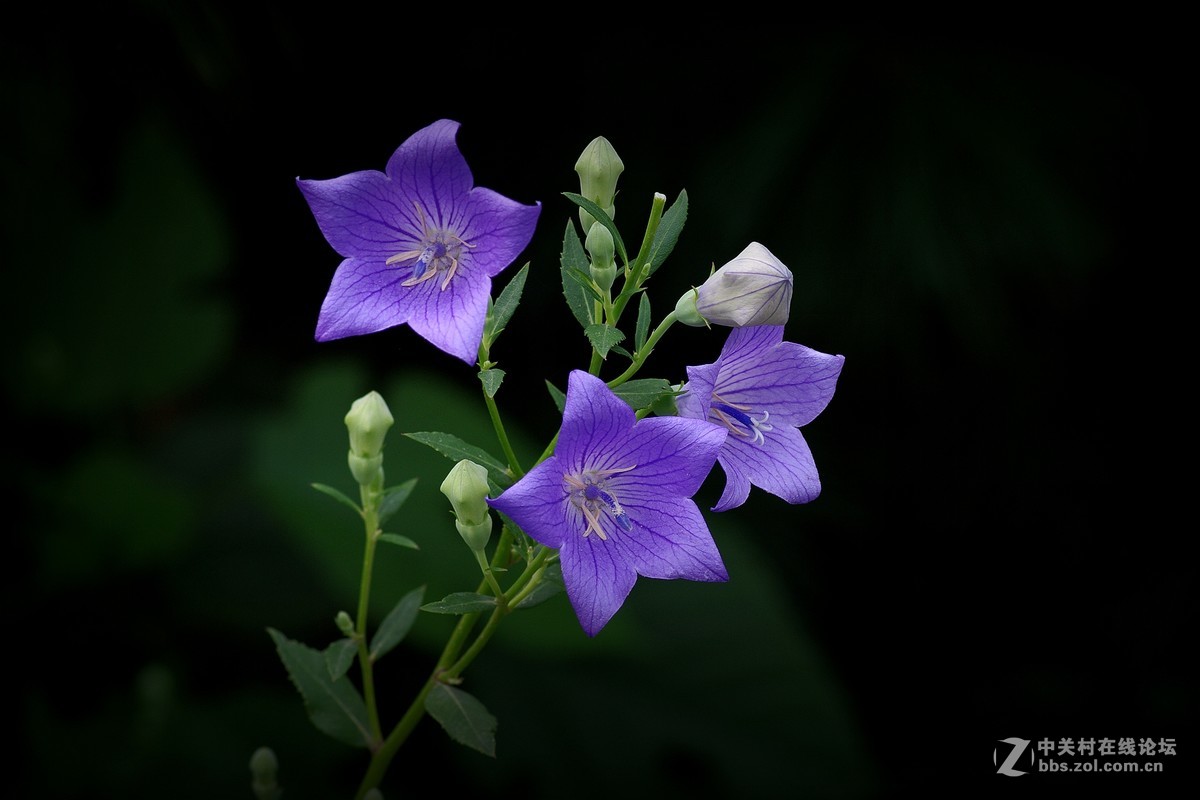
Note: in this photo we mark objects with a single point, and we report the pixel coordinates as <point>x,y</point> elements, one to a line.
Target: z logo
<point>1018,747</point>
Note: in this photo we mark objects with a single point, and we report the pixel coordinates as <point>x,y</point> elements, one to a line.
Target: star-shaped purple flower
<point>762,389</point>
<point>421,244</point>
<point>615,500</point>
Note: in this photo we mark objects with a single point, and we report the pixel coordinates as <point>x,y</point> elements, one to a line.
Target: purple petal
<point>670,540</point>
<point>498,229</point>
<point>672,456</point>
<point>792,382</point>
<point>595,422</point>
<point>538,503</point>
<point>450,318</point>
<point>430,169</point>
<point>364,297</point>
<point>697,398</point>
<point>361,215</point>
<point>782,465</point>
<point>597,578</point>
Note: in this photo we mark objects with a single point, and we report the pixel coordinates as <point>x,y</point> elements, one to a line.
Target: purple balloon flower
<point>615,500</point>
<point>762,389</point>
<point>421,244</point>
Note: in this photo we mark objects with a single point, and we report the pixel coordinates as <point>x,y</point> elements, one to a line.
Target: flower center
<point>739,420</point>
<point>437,250</point>
<point>590,493</point>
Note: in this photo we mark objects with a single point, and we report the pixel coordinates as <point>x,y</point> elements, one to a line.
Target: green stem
<point>370,503</point>
<point>634,279</point>
<point>641,355</point>
<point>494,412</point>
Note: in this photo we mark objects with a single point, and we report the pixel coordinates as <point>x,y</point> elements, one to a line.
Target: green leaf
<point>559,398</point>
<point>603,218</point>
<point>505,305</point>
<point>551,584</point>
<point>463,717</point>
<point>643,323</point>
<point>334,706</point>
<point>668,232</point>
<point>397,623</point>
<point>491,380</point>
<point>339,656</point>
<point>584,279</point>
<point>621,351</point>
<point>461,603</point>
<point>393,498</point>
<point>603,337</point>
<point>403,541</point>
<point>643,392</point>
<point>336,495</point>
<point>456,450</point>
<point>573,259</point>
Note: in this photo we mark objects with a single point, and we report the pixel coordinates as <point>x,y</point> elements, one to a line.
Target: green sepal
<point>456,449</point>
<point>334,706</point>
<point>491,380</point>
<point>397,623</point>
<point>643,392</point>
<point>643,323</point>
<point>339,656</point>
<point>393,498</point>
<point>501,312</point>
<point>337,495</point>
<point>461,603</point>
<point>603,337</point>
<point>603,218</point>
<point>668,232</point>
<point>463,718</point>
<point>397,539</point>
<point>550,585</point>
<point>574,259</point>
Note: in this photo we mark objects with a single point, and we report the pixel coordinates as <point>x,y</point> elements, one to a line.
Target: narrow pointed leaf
<point>603,337</point>
<point>574,259</point>
<point>559,398</point>
<point>393,498</point>
<point>668,232</point>
<point>334,706</point>
<point>621,351</point>
<point>339,656</point>
<point>397,539</point>
<point>643,323</point>
<point>463,717</point>
<point>491,380</point>
<point>397,623</point>
<point>336,495</point>
<point>584,280</point>
<point>461,603</point>
<point>603,218</point>
<point>506,304</point>
<point>456,449</point>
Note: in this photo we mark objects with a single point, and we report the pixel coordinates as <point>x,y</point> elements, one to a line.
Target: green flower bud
<point>753,289</point>
<point>466,486</point>
<point>344,623</point>
<point>263,768</point>
<point>601,248</point>
<point>368,421</point>
<point>598,166</point>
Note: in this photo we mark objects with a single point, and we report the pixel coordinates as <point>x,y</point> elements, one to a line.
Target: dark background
<point>976,221</point>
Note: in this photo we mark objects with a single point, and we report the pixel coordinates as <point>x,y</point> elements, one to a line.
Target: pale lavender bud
<point>755,288</point>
